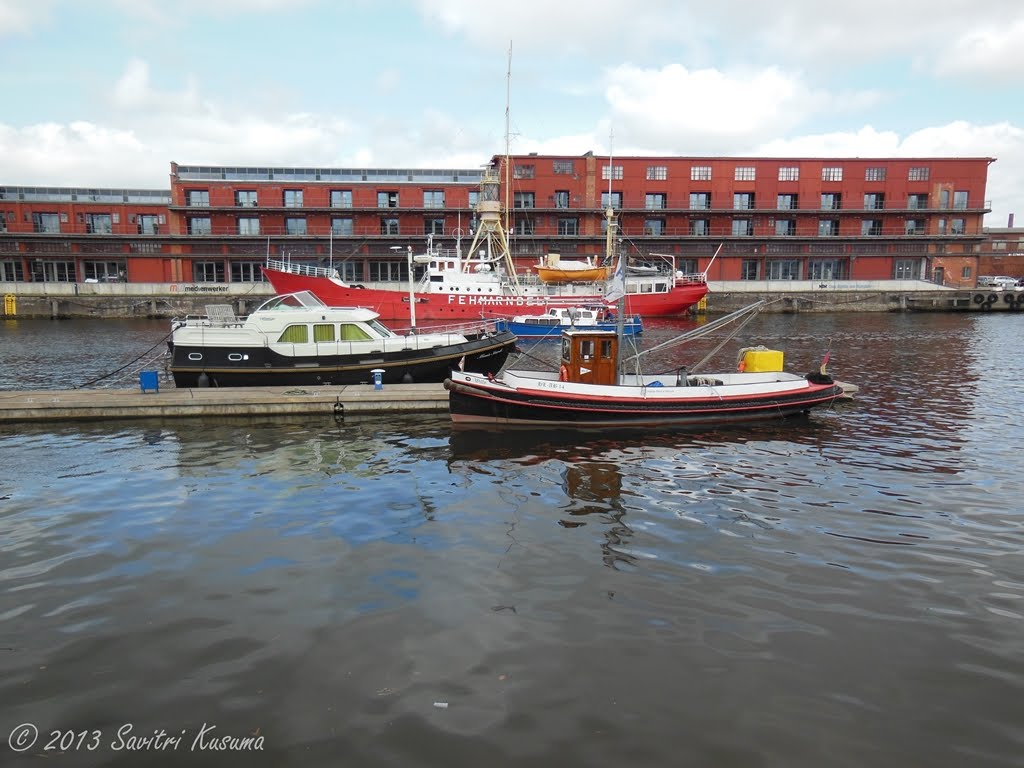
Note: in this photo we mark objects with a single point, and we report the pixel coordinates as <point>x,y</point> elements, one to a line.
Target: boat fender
<point>742,366</point>
<point>563,374</point>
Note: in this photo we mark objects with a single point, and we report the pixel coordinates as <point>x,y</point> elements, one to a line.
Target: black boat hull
<point>261,367</point>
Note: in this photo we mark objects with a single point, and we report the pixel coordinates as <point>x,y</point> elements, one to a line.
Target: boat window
<point>195,356</point>
<point>323,332</point>
<point>587,349</point>
<point>353,332</point>
<point>294,334</point>
<point>606,349</point>
<point>566,349</point>
<point>234,357</point>
<point>382,330</point>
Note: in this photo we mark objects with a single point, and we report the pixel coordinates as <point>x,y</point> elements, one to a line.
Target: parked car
<point>998,282</point>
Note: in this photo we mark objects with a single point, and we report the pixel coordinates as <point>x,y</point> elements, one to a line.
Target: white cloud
<point>993,50</point>
<point>18,17</point>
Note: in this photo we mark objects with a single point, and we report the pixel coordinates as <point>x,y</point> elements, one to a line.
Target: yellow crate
<point>762,360</point>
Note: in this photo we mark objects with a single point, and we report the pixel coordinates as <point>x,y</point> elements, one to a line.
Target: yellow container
<point>762,360</point>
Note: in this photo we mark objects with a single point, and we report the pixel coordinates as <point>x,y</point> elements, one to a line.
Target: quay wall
<point>167,300</point>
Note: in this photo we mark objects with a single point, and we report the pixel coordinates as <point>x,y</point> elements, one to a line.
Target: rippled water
<point>845,590</point>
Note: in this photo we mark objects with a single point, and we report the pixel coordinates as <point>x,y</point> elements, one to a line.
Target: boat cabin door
<point>588,357</point>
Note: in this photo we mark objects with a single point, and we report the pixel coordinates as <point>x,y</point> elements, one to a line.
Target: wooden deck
<point>99,404</point>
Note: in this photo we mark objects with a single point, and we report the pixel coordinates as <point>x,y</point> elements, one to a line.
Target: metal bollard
<point>378,378</point>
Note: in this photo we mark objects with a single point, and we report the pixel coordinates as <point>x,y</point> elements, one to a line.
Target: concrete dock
<point>336,401</point>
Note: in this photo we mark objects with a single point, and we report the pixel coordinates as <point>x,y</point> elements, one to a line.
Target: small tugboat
<point>296,339</point>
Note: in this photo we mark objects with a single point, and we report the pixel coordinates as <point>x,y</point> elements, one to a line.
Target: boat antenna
<point>508,151</point>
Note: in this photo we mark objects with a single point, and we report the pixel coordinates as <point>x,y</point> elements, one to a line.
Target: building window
<point>871,227</point>
<point>915,226</point>
<point>522,200</point>
<point>388,271</point>
<point>787,202</point>
<point>785,227</point>
<point>245,198</point>
<point>568,226</point>
<point>699,227</point>
<point>700,201</point>
<point>611,172</point>
<point>874,174</point>
<point>965,272</point>
<point>657,172</point>
<point>783,269</point>
<point>524,226</point>
<point>742,227</point>
<point>524,171</point>
<point>615,201</point>
<point>341,198</point>
<point>11,272</point>
<point>248,226</point>
<point>433,226</point>
<point>743,201</point>
<point>907,269</point>
<point>960,201</point>
<point>957,227</point>
<point>104,271</point>
<point>197,198</point>
<point>918,173</point>
<point>831,201</point>
<point>832,173</point>
<point>293,198</point>
<point>562,167</point>
<point>433,198</point>
<point>874,201</point>
<point>745,173</point>
<point>789,173</point>
<point>207,271</point>
<point>562,198</point>
<point>750,269</point>
<point>45,222</point>
<point>200,225</point>
<point>342,226</point>
<point>295,226</point>
<point>149,225</point>
<point>247,272</point>
<point>387,199</point>
<point>474,198</point>
<point>828,227</point>
<point>99,223</point>
<point>53,272</point>
<point>654,227</point>
<point>700,173</point>
<point>350,271</point>
<point>687,266</point>
<point>917,202</point>
<point>655,201</point>
<point>825,269</point>
<point>942,226</point>
<point>388,227</point>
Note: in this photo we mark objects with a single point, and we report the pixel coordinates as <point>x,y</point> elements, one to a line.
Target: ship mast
<point>490,240</point>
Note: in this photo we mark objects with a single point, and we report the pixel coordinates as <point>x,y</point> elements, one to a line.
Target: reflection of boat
<point>590,388</point>
<point>454,286</point>
<point>550,324</point>
<point>553,269</point>
<point>295,339</point>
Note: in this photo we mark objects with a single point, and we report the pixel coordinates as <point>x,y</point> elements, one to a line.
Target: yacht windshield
<point>380,328</point>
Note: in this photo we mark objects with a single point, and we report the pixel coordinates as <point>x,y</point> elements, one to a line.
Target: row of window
<point>339,198</point>
<point>746,201</point>
<point>397,271</point>
<point>740,172</point>
<point>95,223</point>
<point>570,227</point>
<point>294,198</point>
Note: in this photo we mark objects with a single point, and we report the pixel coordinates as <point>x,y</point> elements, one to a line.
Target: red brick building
<point>768,218</point>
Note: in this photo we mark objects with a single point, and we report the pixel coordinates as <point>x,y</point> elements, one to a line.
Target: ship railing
<point>295,268</point>
<point>469,328</point>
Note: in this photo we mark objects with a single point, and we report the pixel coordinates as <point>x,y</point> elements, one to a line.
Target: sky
<point>106,93</point>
